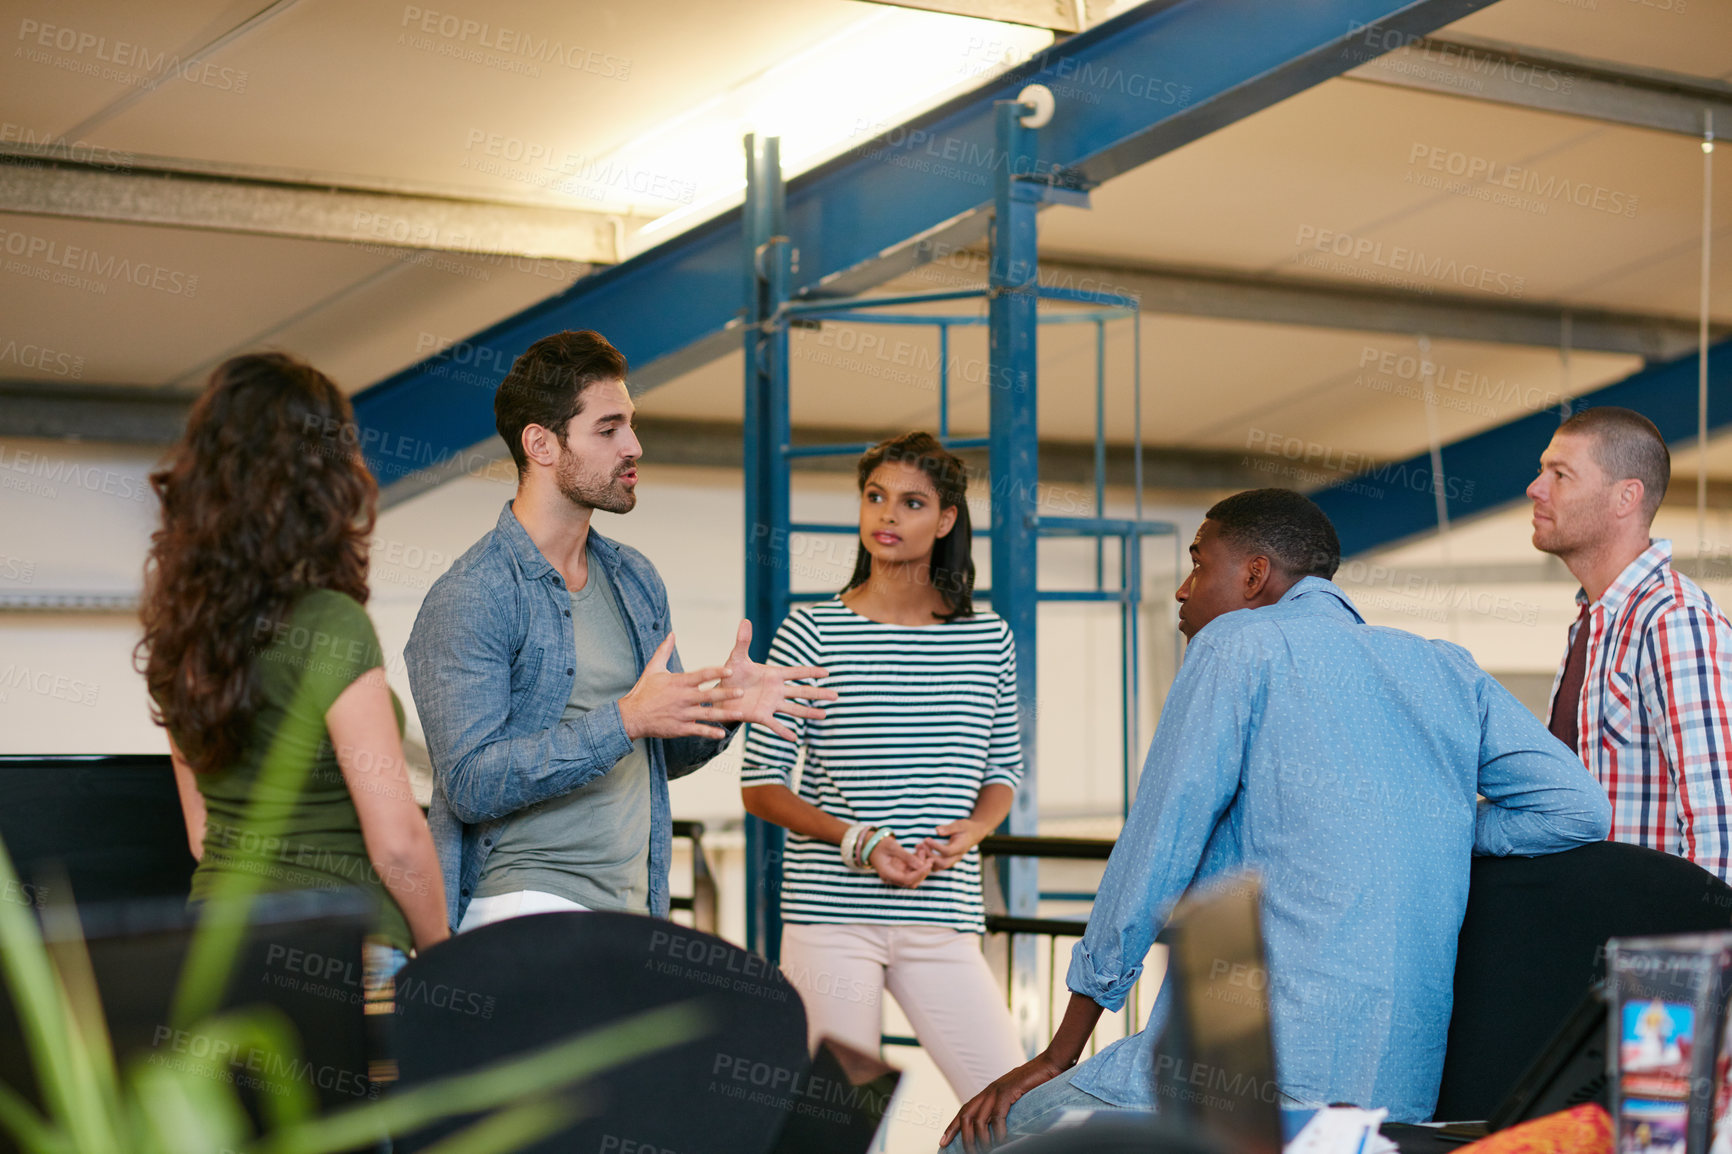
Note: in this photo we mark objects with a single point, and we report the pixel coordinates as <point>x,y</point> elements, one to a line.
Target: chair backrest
<point>529,982</point>
<point>301,954</point>
<point>109,824</point>
<point>1533,942</point>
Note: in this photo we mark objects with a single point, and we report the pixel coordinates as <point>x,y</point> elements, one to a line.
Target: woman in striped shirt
<point>909,769</point>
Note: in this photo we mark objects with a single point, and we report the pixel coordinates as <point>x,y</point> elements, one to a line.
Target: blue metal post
<point>1100,446</point>
<point>768,260</point>
<point>1014,321</point>
<point>1134,740</point>
<point>944,383</point>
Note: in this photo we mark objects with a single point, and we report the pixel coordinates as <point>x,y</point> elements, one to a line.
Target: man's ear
<point>1629,497</point>
<point>540,445</point>
<point>1257,573</point>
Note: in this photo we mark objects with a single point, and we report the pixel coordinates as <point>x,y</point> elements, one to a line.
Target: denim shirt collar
<point>531,561</point>
<point>1320,596</point>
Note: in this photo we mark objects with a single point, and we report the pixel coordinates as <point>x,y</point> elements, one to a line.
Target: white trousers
<point>936,975</point>
<point>485,911</point>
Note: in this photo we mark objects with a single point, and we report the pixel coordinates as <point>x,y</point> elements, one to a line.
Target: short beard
<point>587,495</point>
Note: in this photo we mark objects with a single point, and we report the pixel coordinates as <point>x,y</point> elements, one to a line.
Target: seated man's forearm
<point>1072,1036</point>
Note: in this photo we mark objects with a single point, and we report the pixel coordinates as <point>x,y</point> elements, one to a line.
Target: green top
<point>291,831</point>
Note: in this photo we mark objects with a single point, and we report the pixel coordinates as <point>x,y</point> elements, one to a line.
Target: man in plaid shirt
<point>1642,692</point>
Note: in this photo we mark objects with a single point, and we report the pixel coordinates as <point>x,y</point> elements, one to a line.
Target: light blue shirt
<point>1340,761</point>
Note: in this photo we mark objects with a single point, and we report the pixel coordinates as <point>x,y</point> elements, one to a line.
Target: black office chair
<point>529,982</point>
<point>1533,942</point>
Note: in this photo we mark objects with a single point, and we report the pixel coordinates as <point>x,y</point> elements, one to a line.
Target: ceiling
<point>366,96</point>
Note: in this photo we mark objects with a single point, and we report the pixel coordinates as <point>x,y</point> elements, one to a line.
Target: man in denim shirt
<point>1341,762</point>
<point>544,669</point>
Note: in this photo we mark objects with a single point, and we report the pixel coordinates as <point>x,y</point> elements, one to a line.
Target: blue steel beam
<point>1130,89</point>
<point>1489,470</point>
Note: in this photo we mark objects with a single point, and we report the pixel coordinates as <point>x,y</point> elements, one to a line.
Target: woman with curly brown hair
<point>262,663</point>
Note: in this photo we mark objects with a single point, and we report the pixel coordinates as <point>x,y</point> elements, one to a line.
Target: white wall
<point>74,519</point>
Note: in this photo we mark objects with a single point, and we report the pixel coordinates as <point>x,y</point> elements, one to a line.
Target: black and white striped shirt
<point>926,717</point>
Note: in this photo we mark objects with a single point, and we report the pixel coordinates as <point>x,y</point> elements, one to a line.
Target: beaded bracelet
<point>872,844</point>
<point>850,840</point>
<point>858,862</point>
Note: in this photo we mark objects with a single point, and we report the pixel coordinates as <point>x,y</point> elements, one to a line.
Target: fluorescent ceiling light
<point>843,90</point>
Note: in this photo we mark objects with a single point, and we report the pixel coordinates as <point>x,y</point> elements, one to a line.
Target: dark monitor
<point>108,826</point>
<point>1570,1071</point>
<point>1215,1066</point>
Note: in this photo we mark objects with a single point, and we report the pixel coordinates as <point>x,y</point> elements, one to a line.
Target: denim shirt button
<point>569,671</point>
<point>464,891</point>
<point>568,613</point>
<point>487,843</point>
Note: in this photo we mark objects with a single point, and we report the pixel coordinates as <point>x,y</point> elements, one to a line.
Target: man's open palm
<point>766,690</point>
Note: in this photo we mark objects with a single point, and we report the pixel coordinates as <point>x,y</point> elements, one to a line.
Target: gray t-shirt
<point>590,845</point>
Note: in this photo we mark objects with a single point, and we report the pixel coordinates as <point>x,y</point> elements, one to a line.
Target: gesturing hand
<point>980,1122</point>
<point>764,690</point>
<point>897,866</point>
<point>664,704</point>
<point>957,838</point>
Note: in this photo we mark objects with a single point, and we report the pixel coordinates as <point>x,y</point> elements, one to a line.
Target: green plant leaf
<point>177,1111</point>
<point>28,1127</point>
<point>71,1086</point>
<point>514,1127</point>
<point>257,1046</point>
<point>64,938</point>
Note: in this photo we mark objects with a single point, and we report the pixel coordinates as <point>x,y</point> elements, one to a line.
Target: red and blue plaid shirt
<point>1653,719</point>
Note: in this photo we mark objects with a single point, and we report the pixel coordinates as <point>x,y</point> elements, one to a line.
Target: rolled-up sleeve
<point>1538,796</point>
<point>459,660</point>
<point>1189,779</point>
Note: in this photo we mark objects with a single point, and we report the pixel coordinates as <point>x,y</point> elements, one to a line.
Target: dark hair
<point>1284,526</point>
<point>545,386</point>
<point>1626,446</point>
<point>952,568</point>
<point>264,498</point>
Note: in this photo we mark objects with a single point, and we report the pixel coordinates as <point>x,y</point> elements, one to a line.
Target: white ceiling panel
<point>68,60</point>
<point>1684,36</point>
<point>137,305</point>
<point>422,303</point>
<point>1359,183</point>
